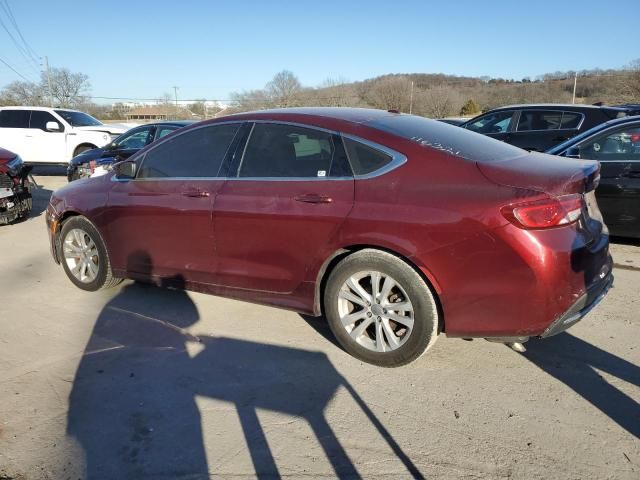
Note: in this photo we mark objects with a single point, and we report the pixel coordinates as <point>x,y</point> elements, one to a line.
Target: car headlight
<point>15,165</point>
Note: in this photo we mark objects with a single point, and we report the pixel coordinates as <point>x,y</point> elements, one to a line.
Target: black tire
<point>74,176</point>
<point>104,277</point>
<point>425,312</point>
<point>82,148</point>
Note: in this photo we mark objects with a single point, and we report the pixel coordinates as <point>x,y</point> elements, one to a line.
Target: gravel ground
<point>139,382</point>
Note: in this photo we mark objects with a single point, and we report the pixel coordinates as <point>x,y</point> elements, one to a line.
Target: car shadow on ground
<point>133,403</point>
<point>41,198</point>
<point>577,363</point>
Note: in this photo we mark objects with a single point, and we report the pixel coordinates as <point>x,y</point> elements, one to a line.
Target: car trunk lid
<point>544,173</point>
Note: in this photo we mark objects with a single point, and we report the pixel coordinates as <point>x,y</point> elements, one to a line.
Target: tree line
<point>439,95</point>
<point>430,95</point>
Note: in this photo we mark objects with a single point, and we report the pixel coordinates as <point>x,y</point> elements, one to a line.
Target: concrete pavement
<point>139,382</point>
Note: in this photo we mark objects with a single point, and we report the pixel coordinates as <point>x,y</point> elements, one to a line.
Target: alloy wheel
<point>81,255</point>
<point>375,311</point>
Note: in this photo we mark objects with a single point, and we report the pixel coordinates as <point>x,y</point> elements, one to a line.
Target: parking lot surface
<point>140,382</point>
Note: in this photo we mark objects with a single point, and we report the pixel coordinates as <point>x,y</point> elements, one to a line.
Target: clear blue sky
<point>141,48</point>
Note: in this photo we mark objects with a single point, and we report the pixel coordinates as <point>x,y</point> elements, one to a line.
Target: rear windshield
<point>447,138</point>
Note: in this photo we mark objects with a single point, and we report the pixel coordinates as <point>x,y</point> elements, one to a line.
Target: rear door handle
<point>313,198</point>
<point>195,193</point>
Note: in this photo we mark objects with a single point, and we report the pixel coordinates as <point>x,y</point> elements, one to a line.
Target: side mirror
<point>52,127</point>
<point>573,152</point>
<point>125,170</point>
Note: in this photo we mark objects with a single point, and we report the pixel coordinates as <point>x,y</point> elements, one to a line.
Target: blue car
<point>85,164</point>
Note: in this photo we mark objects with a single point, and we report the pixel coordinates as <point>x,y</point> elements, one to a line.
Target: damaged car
<point>15,188</point>
<point>394,227</point>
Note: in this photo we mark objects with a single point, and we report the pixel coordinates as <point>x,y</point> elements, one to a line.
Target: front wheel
<point>84,255</point>
<point>380,309</point>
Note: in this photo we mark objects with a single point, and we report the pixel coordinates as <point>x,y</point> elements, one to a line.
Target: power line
<point>33,63</point>
<point>14,70</point>
<point>9,13</point>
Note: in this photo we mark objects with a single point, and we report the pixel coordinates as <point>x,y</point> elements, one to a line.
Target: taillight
<point>545,213</point>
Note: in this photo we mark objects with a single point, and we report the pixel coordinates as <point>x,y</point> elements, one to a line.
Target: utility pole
<point>411,99</point>
<point>175,92</point>
<point>46,67</point>
<point>575,82</point>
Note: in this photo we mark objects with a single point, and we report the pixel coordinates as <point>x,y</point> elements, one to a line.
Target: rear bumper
<point>587,302</point>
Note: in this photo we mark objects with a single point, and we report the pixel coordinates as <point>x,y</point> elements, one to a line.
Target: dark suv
<point>541,126</point>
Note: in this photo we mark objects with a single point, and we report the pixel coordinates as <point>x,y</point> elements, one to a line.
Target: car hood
<point>113,129</point>
<point>86,157</point>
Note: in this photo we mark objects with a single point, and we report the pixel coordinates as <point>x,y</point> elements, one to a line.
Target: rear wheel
<point>84,255</point>
<point>380,309</point>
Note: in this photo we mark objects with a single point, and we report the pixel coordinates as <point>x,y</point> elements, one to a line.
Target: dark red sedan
<point>395,227</point>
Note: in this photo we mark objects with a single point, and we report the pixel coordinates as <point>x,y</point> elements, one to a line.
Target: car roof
<point>181,123</point>
<point>571,106</point>
<point>347,114</point>
<point>22,107</point>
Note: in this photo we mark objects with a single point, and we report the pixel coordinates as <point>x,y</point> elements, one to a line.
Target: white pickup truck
<point>52,135</point>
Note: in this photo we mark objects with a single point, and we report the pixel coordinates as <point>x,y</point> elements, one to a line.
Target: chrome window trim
<point>397,159</point>
<point>165,139</point>
<point>550,129</point>
<point>290,179</point>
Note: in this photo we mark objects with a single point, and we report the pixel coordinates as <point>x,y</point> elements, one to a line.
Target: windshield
<point>448,138</point>
<point>78,119</point>
<point>573,140</point>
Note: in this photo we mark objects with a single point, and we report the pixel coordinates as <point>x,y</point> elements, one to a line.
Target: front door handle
<point>195,193</point>
<point>313,198</point>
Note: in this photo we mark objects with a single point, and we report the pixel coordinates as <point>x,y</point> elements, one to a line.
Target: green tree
<point>470,108</point>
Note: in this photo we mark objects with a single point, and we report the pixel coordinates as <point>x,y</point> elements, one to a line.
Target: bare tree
<point>23,93</point>
<point>438,102</point>
<point>282,89</point>
<point>250,100</point>
<point>630,82</point>
<point>390,93</point>
<point>68,89</point>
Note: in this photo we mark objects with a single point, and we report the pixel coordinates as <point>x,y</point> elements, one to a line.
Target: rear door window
<point>194,154</point>
<point>533,120</point>
<point>288,151</point>
<point>14,118</point>
<point>571,120</point>
<point>163,131</point>
<point>135,140</point>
